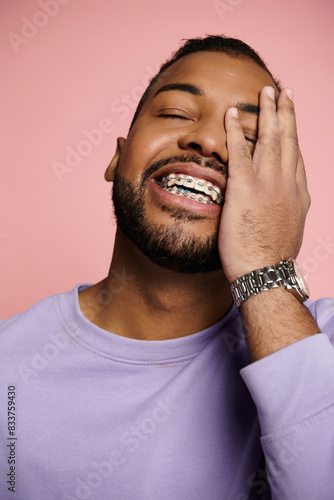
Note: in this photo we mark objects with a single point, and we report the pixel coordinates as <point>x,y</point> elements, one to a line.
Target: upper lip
<point>206,173</point>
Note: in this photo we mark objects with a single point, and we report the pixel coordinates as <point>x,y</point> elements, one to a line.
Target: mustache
<point>185,158</point>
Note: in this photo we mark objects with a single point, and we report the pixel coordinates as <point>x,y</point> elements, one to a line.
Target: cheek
<point>144,147</point>
<point>153,137</point>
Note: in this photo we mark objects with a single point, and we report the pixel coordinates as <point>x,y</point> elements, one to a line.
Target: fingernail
<point>234,112</point>
<point>270,92</point>
<point>290,94</point>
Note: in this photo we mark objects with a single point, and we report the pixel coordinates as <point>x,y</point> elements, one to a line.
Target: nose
<point>208,139</point>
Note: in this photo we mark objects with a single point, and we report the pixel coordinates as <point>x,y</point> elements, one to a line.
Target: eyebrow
<point>246,107</point>
<point>182,87</point>
<point>243,107</point>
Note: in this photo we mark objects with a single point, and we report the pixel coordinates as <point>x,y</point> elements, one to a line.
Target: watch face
<point>301,279</point>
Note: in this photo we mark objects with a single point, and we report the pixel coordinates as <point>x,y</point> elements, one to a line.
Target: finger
<point>288,131</point>
<point>300,170</point>
<point>267,154</point>
<point>239,157</point>
<point>302,183</point>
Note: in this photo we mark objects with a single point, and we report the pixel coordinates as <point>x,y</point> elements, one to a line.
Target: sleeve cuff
<point>293,383</point>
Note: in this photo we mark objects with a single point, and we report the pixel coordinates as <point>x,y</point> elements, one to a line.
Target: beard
<point>170,247</point>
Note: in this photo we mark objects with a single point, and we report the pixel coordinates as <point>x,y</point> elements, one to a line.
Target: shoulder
<point>22,333</point>
<point>39,317</point>
<point>44,306</point>
<point>29,340</point>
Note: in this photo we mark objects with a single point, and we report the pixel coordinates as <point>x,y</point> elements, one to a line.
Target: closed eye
<point>169,115</point>
<point>181,117</point>
<point>253,141</point>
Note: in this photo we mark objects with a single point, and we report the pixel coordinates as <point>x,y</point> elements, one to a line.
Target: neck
<point>141,300</point>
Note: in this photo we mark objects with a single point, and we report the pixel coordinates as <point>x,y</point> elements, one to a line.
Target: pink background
<point>87,62</point>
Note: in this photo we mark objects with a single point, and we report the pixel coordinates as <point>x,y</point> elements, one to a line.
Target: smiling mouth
<point>192,188</point>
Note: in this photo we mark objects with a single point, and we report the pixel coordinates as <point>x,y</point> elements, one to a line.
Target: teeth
<point>189,182</point>
<point>213,191</point>
<point>214,195</point>
<point>208,188</point>
<point>179,180</point>
<point>173,182</point>
<point>200,185</point>
<point>189,194</point>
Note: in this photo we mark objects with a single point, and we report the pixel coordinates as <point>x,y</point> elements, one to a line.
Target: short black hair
<point>211,43</point>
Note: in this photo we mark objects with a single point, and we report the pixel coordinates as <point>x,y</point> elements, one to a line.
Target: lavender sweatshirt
<point>86,414</point>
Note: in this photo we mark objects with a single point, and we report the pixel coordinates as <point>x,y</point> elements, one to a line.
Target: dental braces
<point>210,188</point>
<point>188,194</point>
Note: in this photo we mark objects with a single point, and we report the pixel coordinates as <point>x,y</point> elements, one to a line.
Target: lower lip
<point>182,202</point>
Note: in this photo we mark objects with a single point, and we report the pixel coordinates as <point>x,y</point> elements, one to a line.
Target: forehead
<point>215,72</point>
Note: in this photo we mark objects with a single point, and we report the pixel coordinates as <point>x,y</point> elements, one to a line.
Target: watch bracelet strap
<point>262,279</point>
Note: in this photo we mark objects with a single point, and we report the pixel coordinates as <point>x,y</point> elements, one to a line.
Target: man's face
<point>171,173</point>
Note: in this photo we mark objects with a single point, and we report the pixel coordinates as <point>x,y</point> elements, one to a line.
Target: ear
<point>110,172</point>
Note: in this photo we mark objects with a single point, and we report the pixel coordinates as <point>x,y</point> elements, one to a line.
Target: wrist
<point>274,320</point>
<point>285,274</point>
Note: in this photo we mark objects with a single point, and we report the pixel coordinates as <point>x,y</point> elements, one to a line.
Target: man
<point>152,384</point>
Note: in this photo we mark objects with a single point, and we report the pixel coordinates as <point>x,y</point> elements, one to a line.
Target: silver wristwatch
<point>286,273</point>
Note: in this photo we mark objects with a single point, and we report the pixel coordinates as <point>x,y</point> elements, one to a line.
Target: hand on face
<point>266,198</point>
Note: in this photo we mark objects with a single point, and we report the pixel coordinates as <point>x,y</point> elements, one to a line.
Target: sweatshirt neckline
<point>108,344</point>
